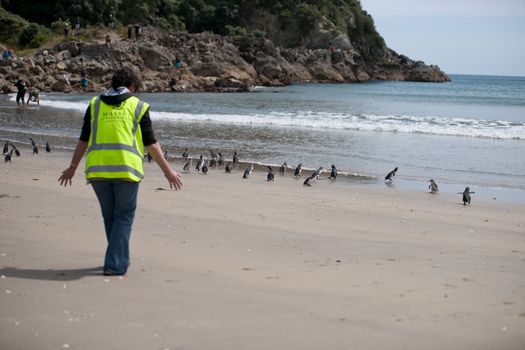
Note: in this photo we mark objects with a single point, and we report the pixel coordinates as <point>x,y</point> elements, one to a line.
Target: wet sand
<point>228,263</point>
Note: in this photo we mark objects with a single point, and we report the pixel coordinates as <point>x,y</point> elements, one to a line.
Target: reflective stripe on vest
<point>116,159</point>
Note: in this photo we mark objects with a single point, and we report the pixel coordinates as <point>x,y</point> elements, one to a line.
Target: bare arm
<point>68,174</point>
<point>174,178</point>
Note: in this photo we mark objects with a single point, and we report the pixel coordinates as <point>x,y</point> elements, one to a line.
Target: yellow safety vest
<point>115,148</point>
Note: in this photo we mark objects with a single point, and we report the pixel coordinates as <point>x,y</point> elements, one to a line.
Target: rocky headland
<point>210,62</point>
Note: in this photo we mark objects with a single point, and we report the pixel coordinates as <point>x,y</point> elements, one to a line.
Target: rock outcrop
<point>209,63</point>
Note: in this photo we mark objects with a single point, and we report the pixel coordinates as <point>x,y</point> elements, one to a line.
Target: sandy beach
<point>228,263</point>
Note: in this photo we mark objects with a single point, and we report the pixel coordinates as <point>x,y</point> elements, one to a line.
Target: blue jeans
<point>118,201</point>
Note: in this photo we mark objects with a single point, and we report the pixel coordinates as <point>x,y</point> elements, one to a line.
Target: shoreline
<point>485,193</point>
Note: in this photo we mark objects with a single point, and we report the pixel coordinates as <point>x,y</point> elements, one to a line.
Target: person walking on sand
<point>21,94</point>
<point>116,128</point>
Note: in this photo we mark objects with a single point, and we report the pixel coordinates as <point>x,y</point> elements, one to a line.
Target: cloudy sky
<point>460,36</point>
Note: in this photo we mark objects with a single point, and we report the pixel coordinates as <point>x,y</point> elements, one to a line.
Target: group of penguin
<point>434,187</point>
<point>217,159</point>
<point>8,154</point>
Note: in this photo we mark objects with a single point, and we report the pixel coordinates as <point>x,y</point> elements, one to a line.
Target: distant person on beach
<point>111,22</point>
<point>21,94</point>
<point>34,96</point>
<point>173,83</point>
<point>77,23</point>
<point>116,128</point>
<point>84,82</point>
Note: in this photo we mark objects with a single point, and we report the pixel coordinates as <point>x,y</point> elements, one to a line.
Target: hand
<point>174,178</point>
<point>67,175</point>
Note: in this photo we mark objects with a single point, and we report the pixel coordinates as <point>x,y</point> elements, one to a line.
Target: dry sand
<point>228,263</point>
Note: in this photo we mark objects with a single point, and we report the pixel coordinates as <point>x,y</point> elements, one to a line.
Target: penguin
<point>187,166</point>
<point>247,172</point>
<point>317,173</point>
<point>466,195</point>
<point>213,154</point>
<point>282,169</point>
<point>433,186</point>
<point>269,176</point>
<point>308,180</point>
<point>166,154</point>
<point>204,168</point>
<point>8,156</point>
<point>391,174</point>
<point>228,168</point>
<point>333,173</point>
<point>199,163</point>
<point>235,158</point>
<point>6,147</point>
<point>149,157</point>
<point>297,172</point>
<point>213,162</point>
<point>48,148</point>
<point>35,148</point>
<point>185,154</point>
<point>221,159</point>
<point>17,152</point>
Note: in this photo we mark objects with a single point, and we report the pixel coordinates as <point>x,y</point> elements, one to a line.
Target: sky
<point>460,36</point>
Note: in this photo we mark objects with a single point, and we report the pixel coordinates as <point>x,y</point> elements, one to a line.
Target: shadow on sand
<point>50,274</point>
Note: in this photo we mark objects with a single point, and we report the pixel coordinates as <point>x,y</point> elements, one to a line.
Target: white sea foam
<point>77,106</point>
<point>59,104</point>
<point>496,129</point>
<point>406,124</point>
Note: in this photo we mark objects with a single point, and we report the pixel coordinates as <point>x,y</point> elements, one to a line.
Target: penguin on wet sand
<point>282,169</point>
<point>6,148</point>
<point>221,159</point>
<point>35,148</point>
<point>8,156</point>
<point>200,163</point>
<point>433,187</point>
<point>269,176</point>
<point>297,172</point>
<point>333,173</point>
<point>187,166</point>
<point>228,168</point>
<point>466,195</point>
<point>149,157</point>
<point>166,154</point>
<point>17,152</point>
<point>204,168</point>
<point>185,153</point>
<point>235,158</point>
<point>247,172</point>
<point>309,179</point>
<point>391,174</point>
<point>48,148</point>
<point>317,173</point>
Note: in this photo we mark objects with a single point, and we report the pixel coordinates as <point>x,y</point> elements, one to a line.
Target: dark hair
<point>125,77</point>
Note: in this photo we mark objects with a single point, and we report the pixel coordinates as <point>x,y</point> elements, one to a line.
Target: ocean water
<point>469,132</point>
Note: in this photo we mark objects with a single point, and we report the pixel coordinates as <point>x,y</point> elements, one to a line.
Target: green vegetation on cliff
<point>291,20</point>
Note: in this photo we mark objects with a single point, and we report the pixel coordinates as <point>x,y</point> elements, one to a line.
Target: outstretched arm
<point>174,178</point>
<point>68,174</point>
